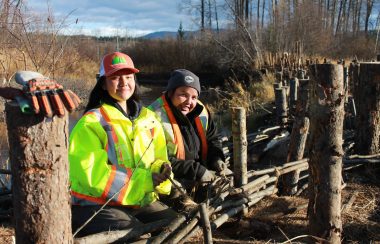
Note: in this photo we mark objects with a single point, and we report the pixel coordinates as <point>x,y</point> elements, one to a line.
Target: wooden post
<point>326,138</point>
<point>281,105</point>
<point>298,138</point>
<point>346,84</point>
<point>378,57</point>
<point>368,109</point>
<point>293,84</point>
<point>41,199</point>
<point>301,74</point>
<point>239,134</point>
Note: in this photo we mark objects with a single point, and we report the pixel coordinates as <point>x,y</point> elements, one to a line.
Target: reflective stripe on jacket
<point>111,155</point>
<point>174,140</point>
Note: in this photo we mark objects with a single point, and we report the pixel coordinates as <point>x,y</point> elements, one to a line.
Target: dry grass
<point>3,137</point>
<point>267,221</point>
<point>6,235</point>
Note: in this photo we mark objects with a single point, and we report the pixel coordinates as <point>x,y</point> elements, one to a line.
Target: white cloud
<point>135,17</point>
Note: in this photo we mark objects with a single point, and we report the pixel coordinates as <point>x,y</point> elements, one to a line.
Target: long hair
<point>98,94</point>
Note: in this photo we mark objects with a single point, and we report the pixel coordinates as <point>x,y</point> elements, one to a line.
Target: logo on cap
<point>189,79</point>
<point>118,60</point>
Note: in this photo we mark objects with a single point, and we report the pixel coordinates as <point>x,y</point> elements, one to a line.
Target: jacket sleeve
<point>161,158</point>
<point>187,169</point>
<point>215,148</point>
<point>92,175</point>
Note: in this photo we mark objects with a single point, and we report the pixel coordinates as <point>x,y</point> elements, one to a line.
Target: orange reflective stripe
<point>202,135</point>
<point>177,132</point>
<point>87,198</point>
<point>97,200</point>
<point>90,112</point>
<point>126,184</point>
<point>109,182</point>
<point>152,132</point>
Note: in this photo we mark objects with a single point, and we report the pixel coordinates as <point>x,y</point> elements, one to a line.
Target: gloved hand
<point>221,167</point>
<point>41,95</point>
<point>208,176</point>
<point>158,178</point>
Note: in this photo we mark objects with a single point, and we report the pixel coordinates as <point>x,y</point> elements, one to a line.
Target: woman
<point>117,153</point>
<point>194,148</point>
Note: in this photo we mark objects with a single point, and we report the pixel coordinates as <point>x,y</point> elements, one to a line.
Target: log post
<point>298,138</point>
<point>41,199</point>
<point>368,109</point>
<point>239,134</point>
<point>293,84</point>
<point>326,138</point>
<point>301,74</point>
<point>281,105</point>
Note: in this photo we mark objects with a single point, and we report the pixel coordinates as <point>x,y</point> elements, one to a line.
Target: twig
<point>346,207</point>
<point>122,235</point>
<point>183,193</point>
<point>282,232</point>
<point>191,233</point>
<point>301,189</point>
<point>206,224</point>
<point>219,240</point>
<point>170,229</point>
<point>303,236</point>
<point>363,156</point>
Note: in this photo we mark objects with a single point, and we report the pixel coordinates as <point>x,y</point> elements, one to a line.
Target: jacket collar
<point>134,107</point>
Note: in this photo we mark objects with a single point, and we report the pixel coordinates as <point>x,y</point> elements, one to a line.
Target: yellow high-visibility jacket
<point>110,154</point>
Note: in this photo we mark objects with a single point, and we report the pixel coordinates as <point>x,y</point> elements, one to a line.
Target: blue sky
<point>128,17</point>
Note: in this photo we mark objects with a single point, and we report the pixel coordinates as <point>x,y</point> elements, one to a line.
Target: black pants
<point>117,218</point>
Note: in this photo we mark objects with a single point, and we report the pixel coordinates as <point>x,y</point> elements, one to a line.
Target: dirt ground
<point>284,219</point>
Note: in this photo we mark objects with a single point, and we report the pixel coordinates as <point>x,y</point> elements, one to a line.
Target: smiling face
<point>120,85</point>
<point>184,98</point>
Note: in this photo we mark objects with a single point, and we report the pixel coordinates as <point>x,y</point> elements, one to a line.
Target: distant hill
<point>160,35</point>
<point>172,34</point>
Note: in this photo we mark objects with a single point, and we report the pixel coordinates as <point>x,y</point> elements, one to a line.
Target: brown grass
<point>6,235</point>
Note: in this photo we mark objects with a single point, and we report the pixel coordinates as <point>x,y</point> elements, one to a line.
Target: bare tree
<point>367,15</point>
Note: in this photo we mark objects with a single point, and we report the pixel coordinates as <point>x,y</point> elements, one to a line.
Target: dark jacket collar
<point>134,107</point>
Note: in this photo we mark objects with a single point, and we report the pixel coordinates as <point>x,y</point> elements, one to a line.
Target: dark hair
<point>98,94</point>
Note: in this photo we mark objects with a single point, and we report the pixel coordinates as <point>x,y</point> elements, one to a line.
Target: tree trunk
<point>41,199</point>
<point>297,138</point>
<point>239,133</point>
<point>368,107</point>
<point>202,15</point>
<point>326,129</point>
<point>367,15</point>
<point>281,105</point>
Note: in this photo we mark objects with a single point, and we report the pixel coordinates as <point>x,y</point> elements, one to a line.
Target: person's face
<point>184,98</point>
<point>120,85</point>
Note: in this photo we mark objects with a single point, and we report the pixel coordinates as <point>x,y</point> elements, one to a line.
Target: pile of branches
<point>225,202</point>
